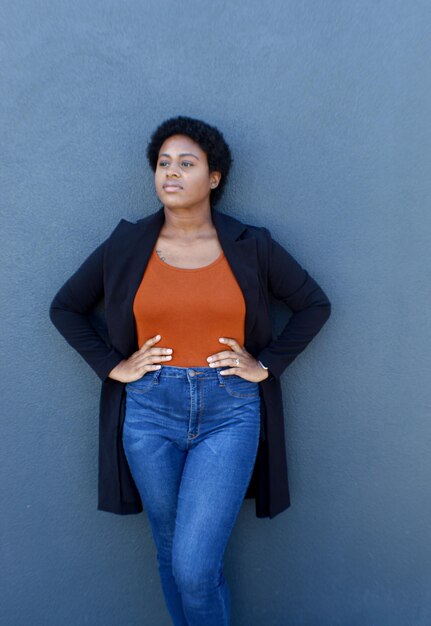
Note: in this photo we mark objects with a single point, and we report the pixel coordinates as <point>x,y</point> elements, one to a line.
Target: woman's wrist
<point>264,369</point>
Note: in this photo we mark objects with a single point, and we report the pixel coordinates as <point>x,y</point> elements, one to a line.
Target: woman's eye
<point>162,163</point>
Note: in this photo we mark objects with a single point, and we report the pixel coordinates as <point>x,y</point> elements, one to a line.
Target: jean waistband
<point>173,371</point>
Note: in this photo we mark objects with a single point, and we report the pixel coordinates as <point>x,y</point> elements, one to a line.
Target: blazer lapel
<point>242,257</point>
<point>129,255</point>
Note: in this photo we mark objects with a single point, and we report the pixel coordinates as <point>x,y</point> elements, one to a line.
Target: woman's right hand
<point>140,362</point>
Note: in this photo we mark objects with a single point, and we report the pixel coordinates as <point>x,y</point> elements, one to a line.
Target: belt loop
<point>220,377</point>
<point>156,375</point>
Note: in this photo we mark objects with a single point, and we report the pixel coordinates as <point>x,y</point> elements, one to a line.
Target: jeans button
<point>192,372</point>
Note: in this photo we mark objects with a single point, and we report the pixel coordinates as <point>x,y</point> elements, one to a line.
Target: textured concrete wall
<point>326,107</point>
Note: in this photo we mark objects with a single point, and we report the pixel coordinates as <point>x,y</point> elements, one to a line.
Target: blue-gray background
<point>326,106</point>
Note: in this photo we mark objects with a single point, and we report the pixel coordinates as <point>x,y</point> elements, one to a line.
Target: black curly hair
<point>209,138</point>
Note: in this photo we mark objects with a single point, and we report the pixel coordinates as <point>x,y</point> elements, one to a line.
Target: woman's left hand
<point>242,362</point>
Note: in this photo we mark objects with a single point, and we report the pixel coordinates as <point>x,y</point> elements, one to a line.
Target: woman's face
<point>184,165</point>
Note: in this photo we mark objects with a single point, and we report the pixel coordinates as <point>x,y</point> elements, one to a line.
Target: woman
<point>191,417</point>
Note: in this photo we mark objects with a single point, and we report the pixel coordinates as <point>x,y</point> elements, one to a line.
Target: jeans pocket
<point>143,384</point>
<point>238,387</point>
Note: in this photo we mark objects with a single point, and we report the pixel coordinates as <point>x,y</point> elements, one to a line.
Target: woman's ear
<point>214,179</point>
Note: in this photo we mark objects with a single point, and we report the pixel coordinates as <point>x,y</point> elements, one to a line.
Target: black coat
<point>114,271</point>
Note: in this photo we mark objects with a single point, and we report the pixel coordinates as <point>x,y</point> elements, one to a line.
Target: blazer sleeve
<point>290,283</point>
<point>69,313</point>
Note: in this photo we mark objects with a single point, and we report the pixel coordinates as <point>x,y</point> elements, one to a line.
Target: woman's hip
<point>192,402</point>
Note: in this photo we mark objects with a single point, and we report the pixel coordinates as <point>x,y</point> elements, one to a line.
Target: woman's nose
<point>172,171</point>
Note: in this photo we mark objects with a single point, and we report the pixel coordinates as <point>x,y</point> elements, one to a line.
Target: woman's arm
<point>290,283</point>
<point>69,308</point>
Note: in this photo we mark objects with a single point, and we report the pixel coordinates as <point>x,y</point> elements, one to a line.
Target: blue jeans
<point>190,436</point>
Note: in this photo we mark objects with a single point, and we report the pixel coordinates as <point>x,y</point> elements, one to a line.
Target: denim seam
<point>201,397</point>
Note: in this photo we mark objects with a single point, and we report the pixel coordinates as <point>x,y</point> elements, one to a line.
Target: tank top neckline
<point>187,269</point>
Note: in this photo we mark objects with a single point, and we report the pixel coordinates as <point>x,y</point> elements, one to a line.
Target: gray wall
<point>326,106</point>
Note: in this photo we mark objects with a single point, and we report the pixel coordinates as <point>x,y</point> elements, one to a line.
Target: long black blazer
<point>114,270</point>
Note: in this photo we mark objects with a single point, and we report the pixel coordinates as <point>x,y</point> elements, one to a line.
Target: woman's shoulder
<point>127,225</point>
<point>262,233</point>
<point>246,228</point>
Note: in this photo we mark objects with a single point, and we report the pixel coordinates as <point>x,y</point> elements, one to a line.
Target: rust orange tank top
<point>190,309</point>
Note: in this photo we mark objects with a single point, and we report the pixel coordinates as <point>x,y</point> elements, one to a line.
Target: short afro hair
<point>209,138</point>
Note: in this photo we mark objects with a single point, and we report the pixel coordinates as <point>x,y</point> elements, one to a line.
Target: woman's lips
<point>172,188</point>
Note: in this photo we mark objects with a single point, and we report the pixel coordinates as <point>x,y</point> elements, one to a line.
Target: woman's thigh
<point>155,461</point>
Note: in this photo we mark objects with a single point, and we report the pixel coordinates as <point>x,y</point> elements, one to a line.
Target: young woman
<point>191,415</point>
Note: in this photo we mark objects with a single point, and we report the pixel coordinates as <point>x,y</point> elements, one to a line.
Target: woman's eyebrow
<point>181,155</point>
